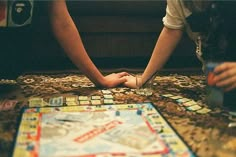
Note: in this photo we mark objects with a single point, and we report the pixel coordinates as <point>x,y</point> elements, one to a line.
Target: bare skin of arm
<point>164,47</point>
<point>69,38</point>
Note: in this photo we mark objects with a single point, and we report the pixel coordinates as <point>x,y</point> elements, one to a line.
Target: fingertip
<point>218,68</point>
<point>124,74</point>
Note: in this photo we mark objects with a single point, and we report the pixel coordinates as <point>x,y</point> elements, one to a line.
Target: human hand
<point>225,76</point>
<point>115,79</point>
<point>130,81</point>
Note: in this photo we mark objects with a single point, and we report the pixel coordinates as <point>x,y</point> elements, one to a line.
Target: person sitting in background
<point>201,21</point>
<point>68,36</point>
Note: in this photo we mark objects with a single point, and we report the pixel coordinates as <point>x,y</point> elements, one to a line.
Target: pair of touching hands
<point>122,78</point>
<point>224,77</point>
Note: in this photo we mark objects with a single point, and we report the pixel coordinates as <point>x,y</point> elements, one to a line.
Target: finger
<point>121,74</point>
<point>227,73</point>
<point>129,85</point>
<point>229,81</point>
<point>118,82</point>
<point>229,88</point>
<point>222,67</point>
<point>122,80</point>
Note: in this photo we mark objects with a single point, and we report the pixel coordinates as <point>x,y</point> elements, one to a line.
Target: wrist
<point>100,82</point>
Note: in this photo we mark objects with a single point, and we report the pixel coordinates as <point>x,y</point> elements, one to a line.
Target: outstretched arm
<point>165,45</point>
<point>69,38</point>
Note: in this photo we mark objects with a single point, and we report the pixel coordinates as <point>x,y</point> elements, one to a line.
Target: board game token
<point>130,106</point>
<point>117,113</point>
<point>30,147</point>
<point>149,108</point>
<point>139,112</point>
<point>98,106</point>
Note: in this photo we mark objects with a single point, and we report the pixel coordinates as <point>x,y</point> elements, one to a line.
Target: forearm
<point>164,47</point>
<point>69,38</point>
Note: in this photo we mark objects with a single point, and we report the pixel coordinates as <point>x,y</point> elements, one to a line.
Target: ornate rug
<point>204,128</point>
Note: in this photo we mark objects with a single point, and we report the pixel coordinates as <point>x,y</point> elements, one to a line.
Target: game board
<point>131,130</point>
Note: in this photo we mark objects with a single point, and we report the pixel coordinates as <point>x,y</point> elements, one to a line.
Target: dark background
<point>116,34</point>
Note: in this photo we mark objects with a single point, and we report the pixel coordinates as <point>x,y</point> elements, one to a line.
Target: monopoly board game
<point>131,130</point>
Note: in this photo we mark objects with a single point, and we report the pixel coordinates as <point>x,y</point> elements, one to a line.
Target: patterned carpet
<point>204,129</point>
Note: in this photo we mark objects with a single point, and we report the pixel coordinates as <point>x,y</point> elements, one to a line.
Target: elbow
<point>176,33</point>
<point>59,25</point>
